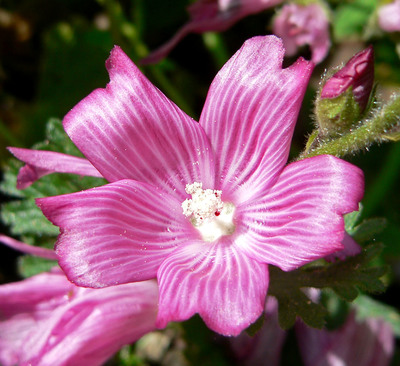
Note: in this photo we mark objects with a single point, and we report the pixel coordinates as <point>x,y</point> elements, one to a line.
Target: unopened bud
<point>345,95</point>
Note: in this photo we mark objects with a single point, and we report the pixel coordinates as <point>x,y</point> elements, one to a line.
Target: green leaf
<point>351,19</point>
<point>351,219</point>
<point>346,278</point>
<point>370,308</point>
<point>295,303</point>
<point>30,265</point>
<point>368,229</point>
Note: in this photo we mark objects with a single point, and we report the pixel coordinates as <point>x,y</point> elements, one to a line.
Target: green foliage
<point>351,18</point>
<point>366,230</point>
<point>30,265</point>
<point>22,215</point>
<point>346,278</point>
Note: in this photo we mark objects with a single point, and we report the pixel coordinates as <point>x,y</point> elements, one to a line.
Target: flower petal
<point>249,115</point>
<point>300,218</point>
<point>94,325</point>
<point>226,288</point>
<point>20,311</point>
<point>117,233</point>
<point>28,249</point>
<point>46,320</point>
<point>131,130</point>
<point>41,162</point>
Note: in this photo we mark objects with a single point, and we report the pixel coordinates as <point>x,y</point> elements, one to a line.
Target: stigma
<point>211,216</point>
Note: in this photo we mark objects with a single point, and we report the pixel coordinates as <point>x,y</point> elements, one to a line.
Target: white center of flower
<point>208,214</point>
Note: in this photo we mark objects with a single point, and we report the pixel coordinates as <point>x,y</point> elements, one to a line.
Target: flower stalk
<point>378,128</point>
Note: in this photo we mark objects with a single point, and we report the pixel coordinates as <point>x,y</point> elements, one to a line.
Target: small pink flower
<point>358,73</point>
<point>300,25</point>
<point>211,15</point>
<point>46,320</point>
<point>389,17</point>
<point>368,342</point>
<point>204,207</point>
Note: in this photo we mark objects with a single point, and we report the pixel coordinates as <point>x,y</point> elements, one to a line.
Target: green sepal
<point>337,116</point>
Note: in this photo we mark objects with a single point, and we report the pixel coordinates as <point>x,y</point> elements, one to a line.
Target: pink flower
<point>300,25</point>
<point>389,17</point>
<point>358,73</point>
<point>46,320</point>
<point>211,15</point>
<point>369,342</point>
<point>204,207</point>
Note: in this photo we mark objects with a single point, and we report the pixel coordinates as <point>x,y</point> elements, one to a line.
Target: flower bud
<point>344,95</point>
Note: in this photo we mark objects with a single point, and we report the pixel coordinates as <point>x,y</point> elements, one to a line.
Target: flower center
<point>208,214</point>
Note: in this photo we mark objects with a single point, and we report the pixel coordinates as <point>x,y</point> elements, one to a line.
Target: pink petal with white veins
<point>130,130</point>
<point>41,162</point>
<point>94,325</point>
<point>226,288</point>
<point>47,321</point>
<point>117,233</point>
<point>249,115</point>
<point>301,218</point>
<point>23,305</point>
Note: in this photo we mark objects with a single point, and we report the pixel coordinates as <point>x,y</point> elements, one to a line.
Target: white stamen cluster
<point>204,205</point>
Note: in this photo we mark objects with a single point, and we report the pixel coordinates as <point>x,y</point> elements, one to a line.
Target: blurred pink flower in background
<point>301,25</point>
<point>204,207</point>
<point>368,342</point>
<point>389,17</point>
<point>46,320</point>
<point>211,15</point>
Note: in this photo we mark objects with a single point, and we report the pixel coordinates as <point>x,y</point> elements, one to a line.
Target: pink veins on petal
<point>203,207</point>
